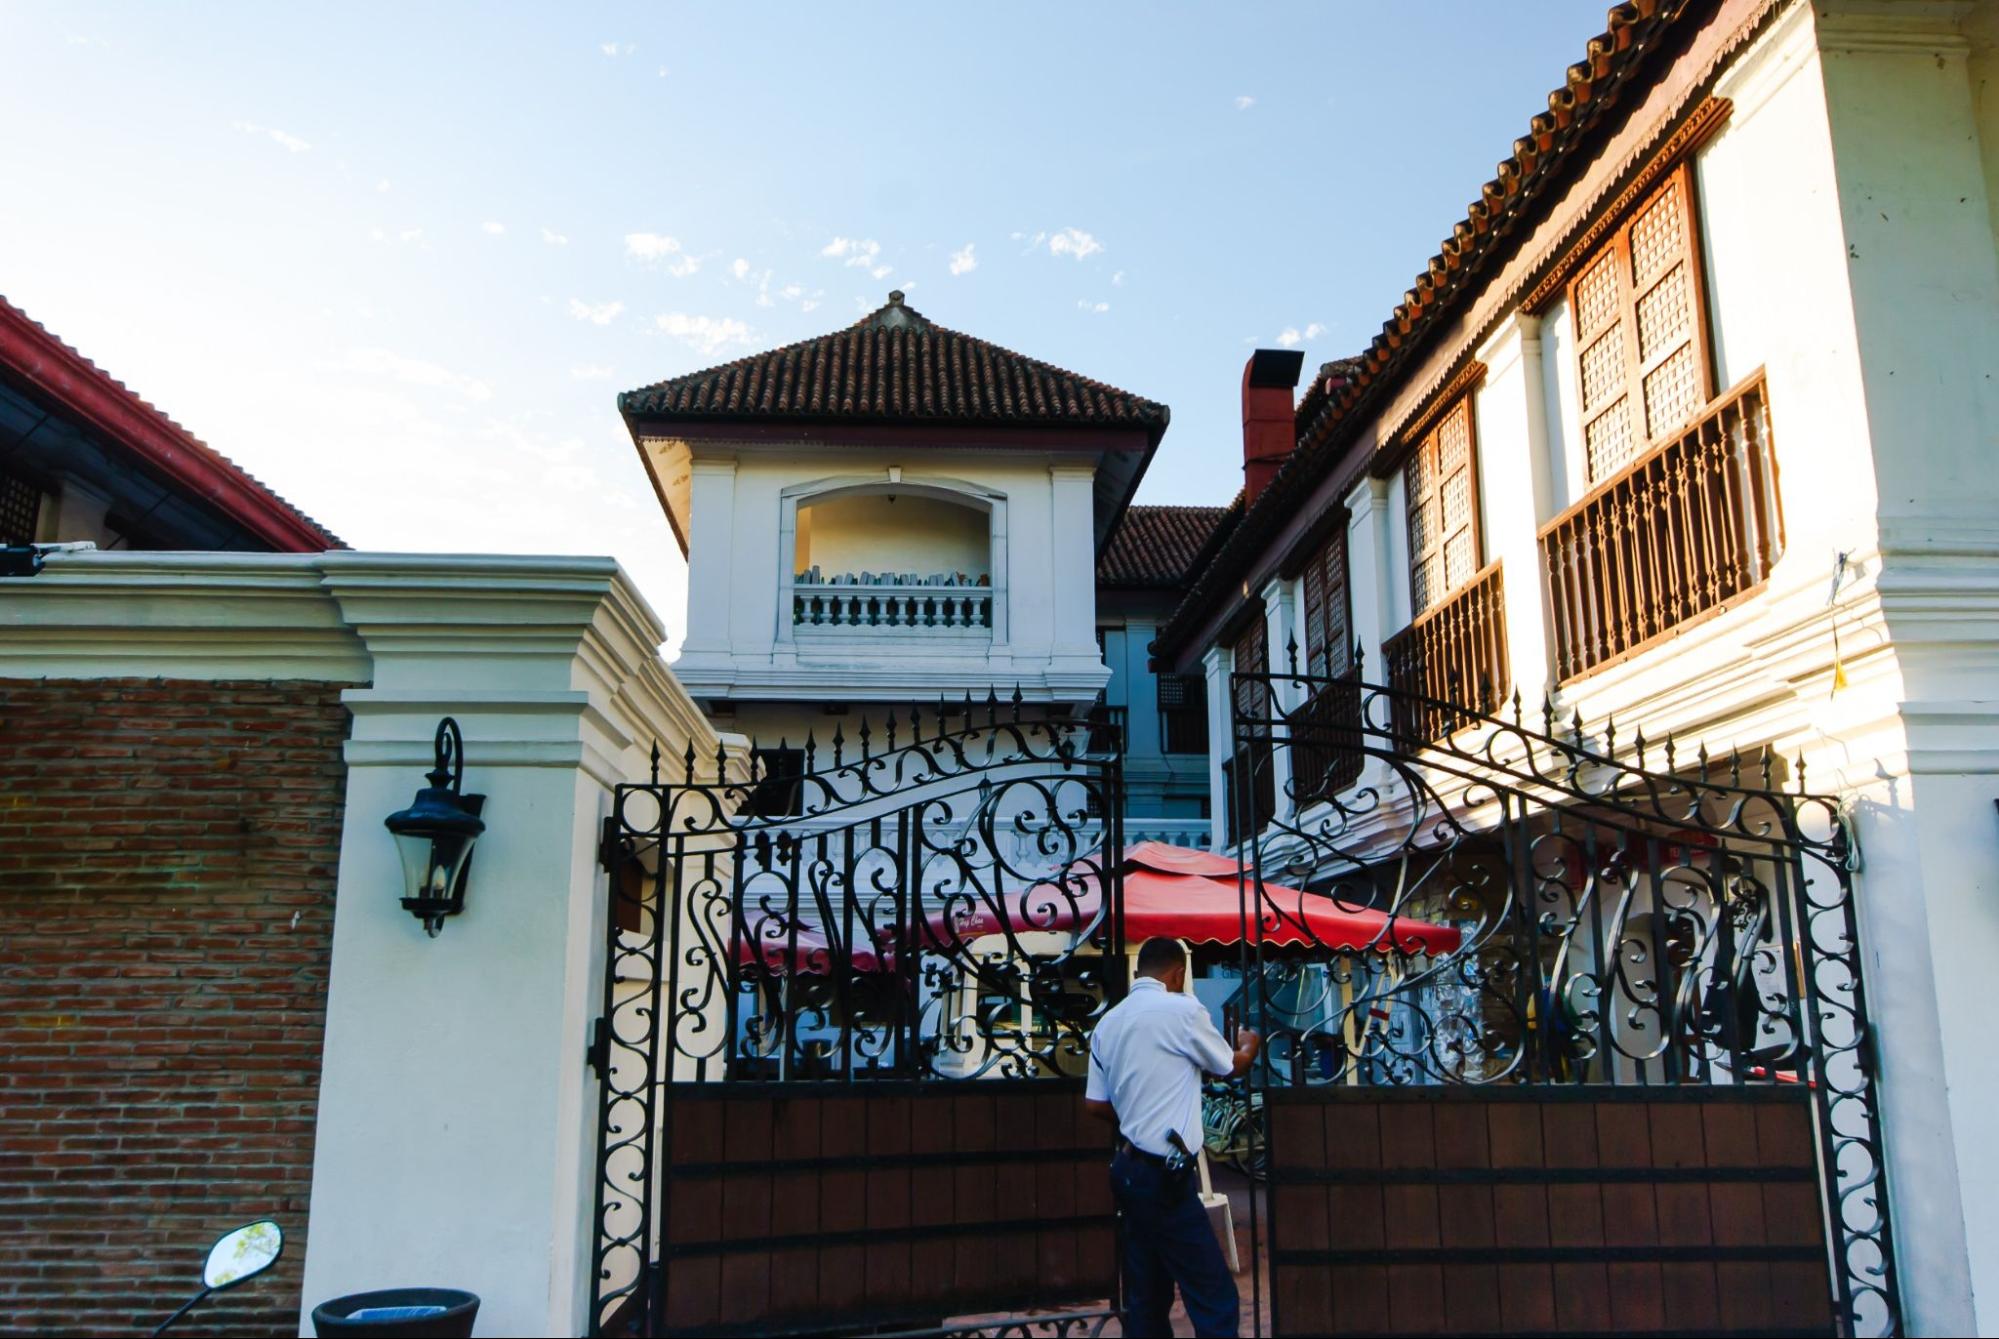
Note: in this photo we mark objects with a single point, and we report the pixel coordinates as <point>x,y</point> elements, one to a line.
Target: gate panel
<point>1547,919</point>
<point>1578,1210</point>
<point>791,1207</point>
<point>845,1020</point>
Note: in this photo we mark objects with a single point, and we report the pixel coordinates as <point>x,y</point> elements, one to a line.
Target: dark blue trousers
<point>1167,1240</point>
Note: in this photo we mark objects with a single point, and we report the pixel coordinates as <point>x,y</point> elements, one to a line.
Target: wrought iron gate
<point>891,947</point>
<point>1513,911</point>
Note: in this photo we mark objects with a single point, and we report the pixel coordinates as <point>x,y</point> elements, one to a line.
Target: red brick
<point>160,1015</point>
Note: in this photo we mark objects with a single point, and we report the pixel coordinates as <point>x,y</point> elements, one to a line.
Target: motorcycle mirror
<point>243,1254</point>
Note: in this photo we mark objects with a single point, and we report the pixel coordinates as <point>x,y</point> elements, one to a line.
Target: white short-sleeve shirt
<point>1146,1059</point>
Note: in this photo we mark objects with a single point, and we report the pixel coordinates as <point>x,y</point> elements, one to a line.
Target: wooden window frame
<point>1425,443</point>
<point>1615,249</point>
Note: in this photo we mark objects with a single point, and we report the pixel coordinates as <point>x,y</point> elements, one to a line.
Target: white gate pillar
<point>457,1117</point>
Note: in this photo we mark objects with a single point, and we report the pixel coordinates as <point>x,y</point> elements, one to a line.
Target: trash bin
<point>399,1313</point>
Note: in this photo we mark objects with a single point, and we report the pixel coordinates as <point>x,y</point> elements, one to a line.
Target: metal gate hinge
<point>598,1056</point>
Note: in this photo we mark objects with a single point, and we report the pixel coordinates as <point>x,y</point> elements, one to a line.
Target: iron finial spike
<point>690,761</point>
<point>888,730</point>
<point>1703,760</point>
<point>1291,651</point>
<point>1359,656</point>
<point>1735,766</point>
<point>1769,758</point>
<point>915,725</point>
<point>1017,700</point>
<point>839,743</point>
<point>1801,771</point>
<point>1669,752</point>
<point>811,750</point>
<point>655,762</point>
<point>865,736</point>
<point>1516,704</point>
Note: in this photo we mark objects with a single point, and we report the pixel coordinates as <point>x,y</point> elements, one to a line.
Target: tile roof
<point>1154,547</point>
<point>56,371</point>
<point>894,364</point>
<point>1594,88</point>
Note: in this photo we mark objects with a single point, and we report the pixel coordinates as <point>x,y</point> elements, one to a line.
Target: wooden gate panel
<point>803,1208</point>
<point>1554,1210</point>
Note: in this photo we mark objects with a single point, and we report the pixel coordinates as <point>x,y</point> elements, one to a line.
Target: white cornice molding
<point>557,658</point>
<point>1894,27</point>
<point>177,615</point>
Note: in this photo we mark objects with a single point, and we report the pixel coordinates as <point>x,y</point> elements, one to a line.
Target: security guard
<point>1146,1061</point>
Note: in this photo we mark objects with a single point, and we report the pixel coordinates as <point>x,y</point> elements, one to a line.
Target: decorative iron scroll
<point>932,898</point>
<point>1626,911</point>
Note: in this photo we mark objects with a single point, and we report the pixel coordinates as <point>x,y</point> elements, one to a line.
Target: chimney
<point>1269,422</point>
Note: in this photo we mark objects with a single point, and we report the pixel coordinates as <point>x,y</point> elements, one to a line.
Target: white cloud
<point>616,49</point>
<point>591,372</point>
<point>1074,242</point>
<point>964,262</point>
<point>808,305</point>
<point>857,253</point>
<point>1244,103</point>
<point>1117,280</point>
<point>414,372</point>
<point>290,143</point>
<point>705,334</point>
<point>684,266</point>
<point>553,238</point>
<point>650,246</point>
<point>382,186</point>
<point>740,268</point>
<point>1094,308</point>
<point>1292,336</point>
<point>662,72</point>
<point>493,228</point>
<point>882,271</point>
<point>596,313</point>
<point>410,235</point>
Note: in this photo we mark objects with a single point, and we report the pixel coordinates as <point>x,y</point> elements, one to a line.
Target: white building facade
<point>1690,427</point>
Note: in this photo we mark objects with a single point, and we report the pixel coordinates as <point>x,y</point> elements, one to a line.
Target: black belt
<point>1127,1147</point>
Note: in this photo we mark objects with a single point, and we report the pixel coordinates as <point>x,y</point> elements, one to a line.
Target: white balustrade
<point>906,603</point>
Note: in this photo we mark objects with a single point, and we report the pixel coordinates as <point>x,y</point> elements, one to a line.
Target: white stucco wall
<point>893,532</point>
<point>744,540</point>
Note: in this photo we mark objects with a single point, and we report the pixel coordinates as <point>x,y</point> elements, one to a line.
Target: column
<point>1516,490</point>
<point>456,1133</point>
<point>1368,573</point>
<point>1217,664</point>
<point>1284,631</point>
<point>710,564</point>
<point>1074,550</point>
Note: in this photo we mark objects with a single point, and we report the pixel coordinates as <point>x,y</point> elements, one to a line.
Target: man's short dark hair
<point>1158,956</point>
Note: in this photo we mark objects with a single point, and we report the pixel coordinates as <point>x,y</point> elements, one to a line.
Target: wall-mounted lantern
<point>435,835</point>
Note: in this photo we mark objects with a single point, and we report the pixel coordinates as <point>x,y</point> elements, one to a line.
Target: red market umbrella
<point>1175,893</point>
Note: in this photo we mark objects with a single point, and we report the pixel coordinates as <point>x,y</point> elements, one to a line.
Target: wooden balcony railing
<point>1682,530</point>
<point>1454,653</point>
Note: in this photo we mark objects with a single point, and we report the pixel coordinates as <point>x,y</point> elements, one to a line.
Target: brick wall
<point>168,852</point>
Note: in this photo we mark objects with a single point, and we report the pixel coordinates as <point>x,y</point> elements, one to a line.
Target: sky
<point>398,260</point>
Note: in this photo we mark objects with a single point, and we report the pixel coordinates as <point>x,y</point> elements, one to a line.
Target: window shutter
<point>1441,482</point>
<point>1637,308</point>
<point>1328,635</point>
